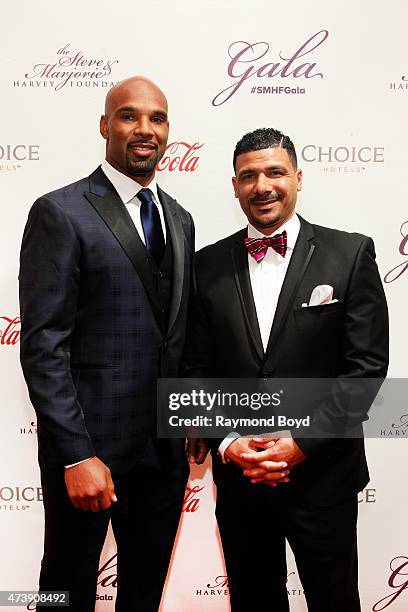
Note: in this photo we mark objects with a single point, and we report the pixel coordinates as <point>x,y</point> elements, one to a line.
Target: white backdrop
<point>340,91</point>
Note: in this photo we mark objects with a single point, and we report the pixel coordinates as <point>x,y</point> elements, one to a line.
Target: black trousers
<point>144,521</point>
<point>255,520</point>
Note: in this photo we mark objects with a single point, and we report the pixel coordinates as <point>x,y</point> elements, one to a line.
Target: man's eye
<point>127,116</point>
<point>246,177</point>
<point>158,119</point>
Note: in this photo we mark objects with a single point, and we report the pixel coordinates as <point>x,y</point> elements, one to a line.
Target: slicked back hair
<point>265,138</point>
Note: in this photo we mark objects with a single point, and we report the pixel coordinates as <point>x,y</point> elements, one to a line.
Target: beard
<point>141,167</point>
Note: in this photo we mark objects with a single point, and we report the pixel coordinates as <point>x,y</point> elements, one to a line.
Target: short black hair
<point>265,138</point>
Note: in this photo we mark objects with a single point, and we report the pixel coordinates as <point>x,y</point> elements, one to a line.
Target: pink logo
<point>402,267</point>
<point>180,156</point>
<point>9,331</point>
<point>71,67</point>
<point>398,581</point>
<point>246,63</point>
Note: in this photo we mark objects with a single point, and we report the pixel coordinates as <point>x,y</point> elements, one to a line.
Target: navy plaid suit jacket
<point>93,337</point>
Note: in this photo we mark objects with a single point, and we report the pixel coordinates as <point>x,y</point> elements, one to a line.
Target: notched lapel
<point>241,273</point>
<point>113,212</point>
<point>298,265</point>
<point>177,241</point>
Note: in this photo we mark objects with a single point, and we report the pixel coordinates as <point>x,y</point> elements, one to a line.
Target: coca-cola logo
<point>398,582</point>
<point>107,577</point>
<point>72,68</point>
<point>247,62</point>
<point>191,499</point>
<point>9,330</point>
<point>402,267</point>
<point>180,156</point>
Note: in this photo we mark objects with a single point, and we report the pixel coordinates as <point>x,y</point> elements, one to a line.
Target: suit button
<point>165,345</point>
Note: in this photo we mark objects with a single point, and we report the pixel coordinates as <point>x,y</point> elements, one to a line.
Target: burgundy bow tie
<point>257,247</point>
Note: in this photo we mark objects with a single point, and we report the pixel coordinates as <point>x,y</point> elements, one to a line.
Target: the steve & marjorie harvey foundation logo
<point>70,68</point>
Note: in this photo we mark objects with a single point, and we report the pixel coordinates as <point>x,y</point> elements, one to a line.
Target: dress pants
<point>144,521</point>
<point>255,520</point>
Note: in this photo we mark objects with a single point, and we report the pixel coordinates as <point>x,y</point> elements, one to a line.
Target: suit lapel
<point>111,209</point>
<point>241,274</point>
<point>299,262</point>
<point>177,241</point>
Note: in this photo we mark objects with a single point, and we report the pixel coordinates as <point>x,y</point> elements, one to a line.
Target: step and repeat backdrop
<point>334,76</point>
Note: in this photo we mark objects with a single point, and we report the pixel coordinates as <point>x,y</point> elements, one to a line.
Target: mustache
<point>259,199</point>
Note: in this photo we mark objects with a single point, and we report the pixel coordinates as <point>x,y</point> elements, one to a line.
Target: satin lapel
<point>177,241</point>
<point>241,273</point>
<point>113,212</point>
<point>299,262</point>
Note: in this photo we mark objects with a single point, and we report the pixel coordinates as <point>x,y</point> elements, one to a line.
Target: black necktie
<point>152,227</point>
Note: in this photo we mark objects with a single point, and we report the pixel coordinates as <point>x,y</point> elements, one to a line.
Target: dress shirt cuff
<point>225,444</point>
<point>78,462</point>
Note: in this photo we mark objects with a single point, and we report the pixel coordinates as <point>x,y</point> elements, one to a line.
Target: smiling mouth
<point>264,203</point>
<point>142,149</point>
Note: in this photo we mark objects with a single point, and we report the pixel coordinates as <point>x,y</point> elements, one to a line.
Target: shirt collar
<point>292,227</point>
<point>126,187</point>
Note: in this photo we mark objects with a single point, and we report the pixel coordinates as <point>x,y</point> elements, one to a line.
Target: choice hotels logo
<point>342,158</point>
<point>19,498</point>
<point>70,68</point>
<point>12,156</point>
<point>249,63</point>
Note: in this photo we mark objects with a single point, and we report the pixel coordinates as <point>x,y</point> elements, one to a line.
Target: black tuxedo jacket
<point>348,338</point>
<point>94,339</point>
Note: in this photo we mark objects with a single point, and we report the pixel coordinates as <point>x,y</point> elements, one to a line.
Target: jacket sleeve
<point>49,286</point>
<point>364,354</point>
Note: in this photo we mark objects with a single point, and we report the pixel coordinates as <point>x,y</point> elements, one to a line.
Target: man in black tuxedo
<point>252,318</point>
<point>104,285</point>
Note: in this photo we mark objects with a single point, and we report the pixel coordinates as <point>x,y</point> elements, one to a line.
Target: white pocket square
<point>322,294</point>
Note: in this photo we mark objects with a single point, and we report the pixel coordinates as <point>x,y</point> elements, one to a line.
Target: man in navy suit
<point>104,285</point>
<point>251,318</point>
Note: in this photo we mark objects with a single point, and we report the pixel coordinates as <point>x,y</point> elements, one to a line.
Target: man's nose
<point>143,126</point>
<point>262,184</point>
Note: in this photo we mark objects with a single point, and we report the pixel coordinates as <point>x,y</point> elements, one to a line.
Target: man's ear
<point>299,179</point>
<point>103,127</point>
<point>234,184</point>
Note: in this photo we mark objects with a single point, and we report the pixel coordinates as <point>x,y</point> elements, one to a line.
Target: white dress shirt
<point>128,189</point>
<point>267,278</point>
